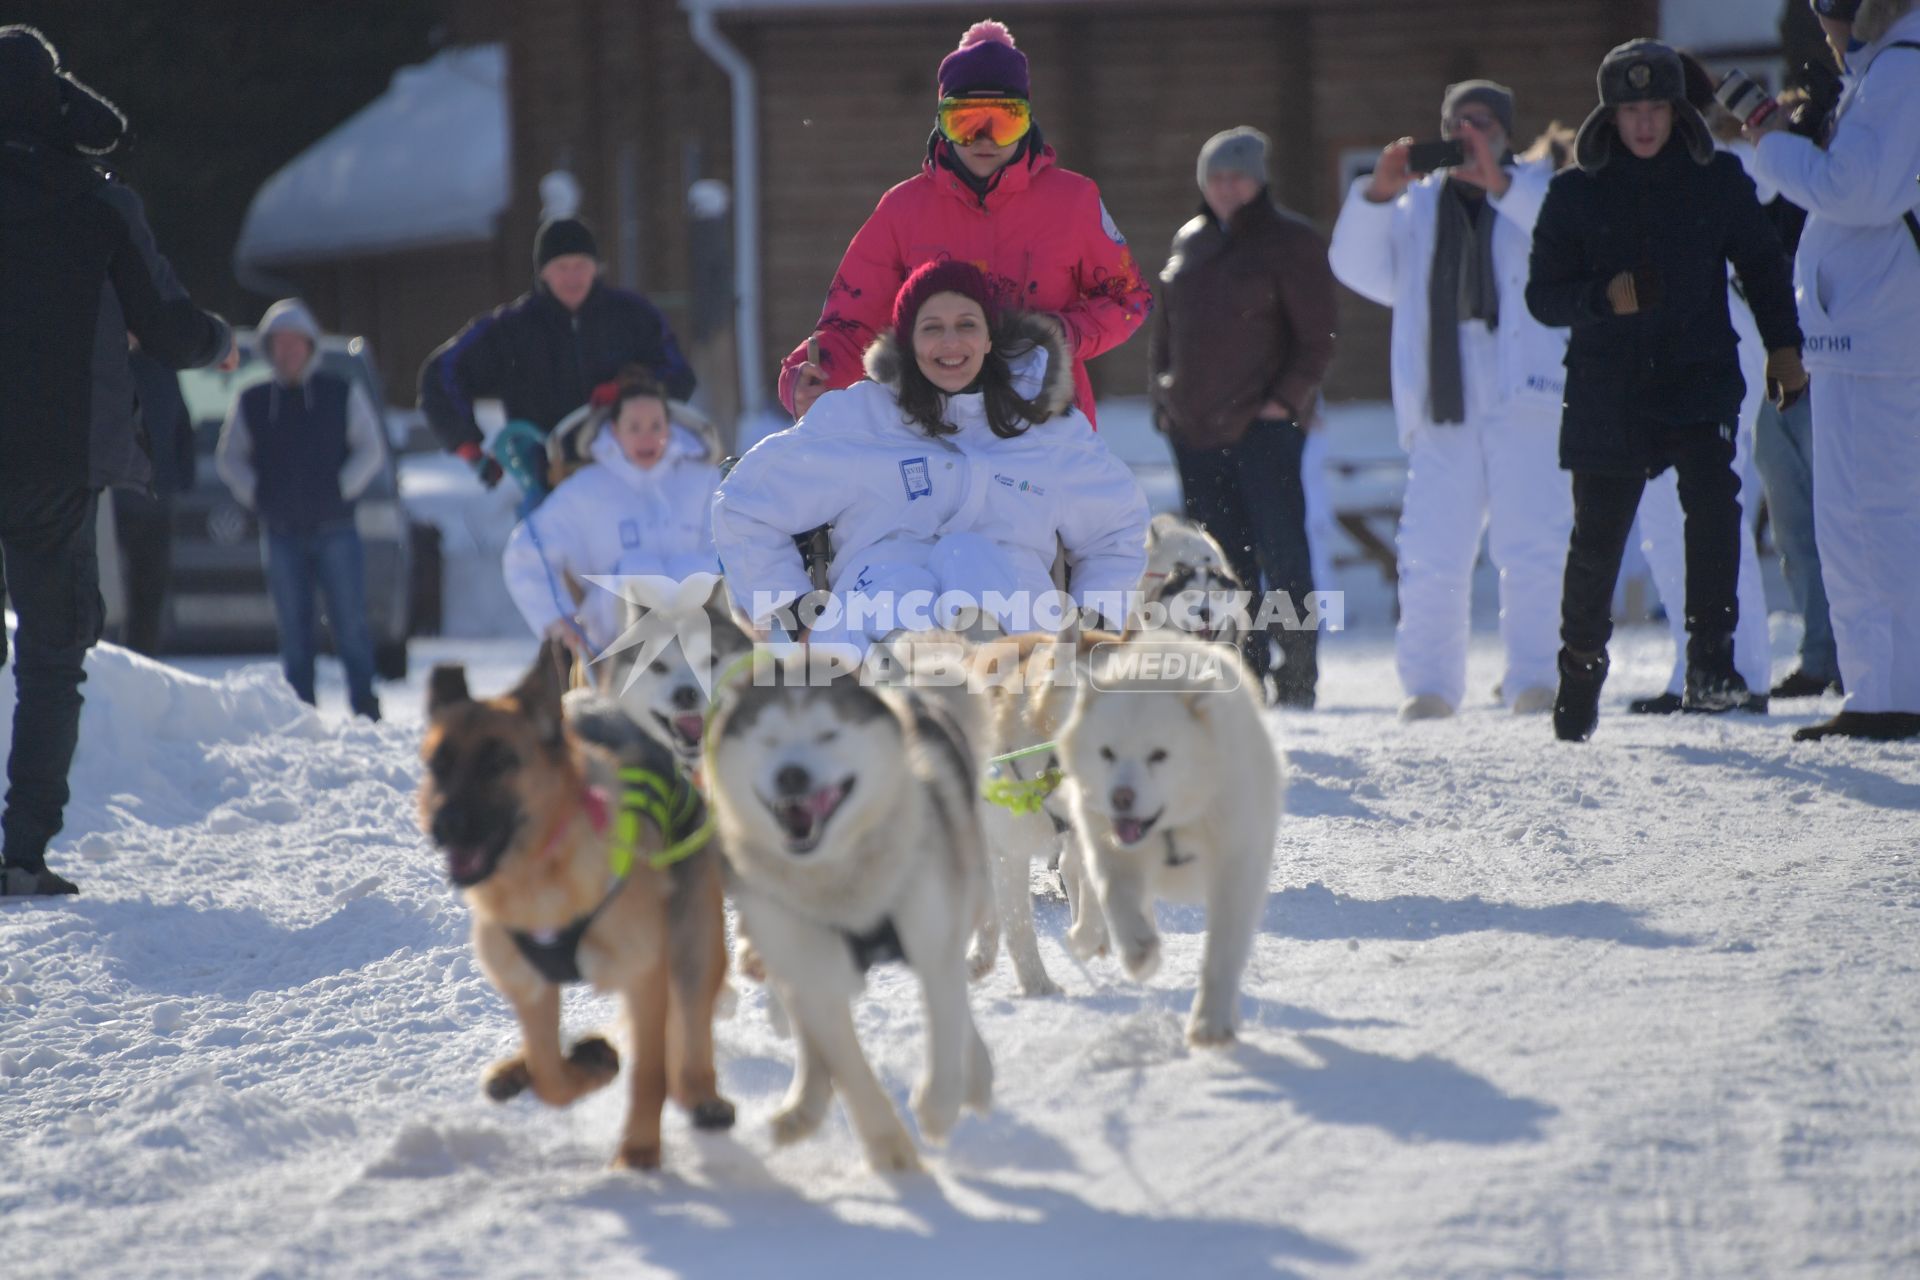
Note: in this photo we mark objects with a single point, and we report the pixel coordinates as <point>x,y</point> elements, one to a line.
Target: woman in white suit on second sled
<point>958,470</point>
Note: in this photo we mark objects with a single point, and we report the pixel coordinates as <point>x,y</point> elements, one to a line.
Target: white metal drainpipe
<point>746,200</point>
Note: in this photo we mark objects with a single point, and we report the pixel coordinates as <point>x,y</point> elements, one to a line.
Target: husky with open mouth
<point>847,812</point>
<point>667,694</point>
<point>1177,795</point>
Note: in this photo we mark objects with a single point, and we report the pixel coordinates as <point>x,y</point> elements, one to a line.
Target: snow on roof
<point>425,163</point>
<point>1706,25</point>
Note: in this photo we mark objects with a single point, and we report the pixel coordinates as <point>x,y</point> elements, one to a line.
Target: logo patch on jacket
<point>915,476</point>
<point>629,534</point>
<point>1021,486</point>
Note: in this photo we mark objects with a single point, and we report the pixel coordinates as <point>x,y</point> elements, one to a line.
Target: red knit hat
<point>941,276</point>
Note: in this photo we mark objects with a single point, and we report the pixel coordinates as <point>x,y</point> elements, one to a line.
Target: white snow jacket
<point>1857,276</point>
<point>1384,252</point>
<point>613,518</point>
<point>891,492</point>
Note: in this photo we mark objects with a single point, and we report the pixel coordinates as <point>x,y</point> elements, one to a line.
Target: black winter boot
<point>1712,683</point>
<point>19,882</point>
<point>1576,709</point>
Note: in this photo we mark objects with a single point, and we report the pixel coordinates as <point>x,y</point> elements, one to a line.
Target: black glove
<point>482,462</point>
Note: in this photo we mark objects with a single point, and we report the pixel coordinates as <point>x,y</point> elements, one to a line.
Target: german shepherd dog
<point>529,814</point>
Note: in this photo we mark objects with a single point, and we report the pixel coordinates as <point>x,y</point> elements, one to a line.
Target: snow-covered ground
<point>1647,1007</point>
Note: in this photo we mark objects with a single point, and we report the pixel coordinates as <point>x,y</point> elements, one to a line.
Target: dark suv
<point>218,601</point>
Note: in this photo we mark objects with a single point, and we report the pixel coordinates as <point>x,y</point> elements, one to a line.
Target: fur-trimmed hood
<point>1036,353</point>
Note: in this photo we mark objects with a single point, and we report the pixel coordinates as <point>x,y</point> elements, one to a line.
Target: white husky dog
<point>667,694</point>
<point>1188,573</point>
<point>847,812</point>
<point>1177,795</point>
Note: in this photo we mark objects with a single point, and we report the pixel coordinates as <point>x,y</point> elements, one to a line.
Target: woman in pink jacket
<point>991,194</point>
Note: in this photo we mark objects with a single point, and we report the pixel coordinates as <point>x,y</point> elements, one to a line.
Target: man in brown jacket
<point>1242,336</point>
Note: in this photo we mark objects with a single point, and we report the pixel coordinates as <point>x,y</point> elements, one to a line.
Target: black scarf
<point>1463,288</point>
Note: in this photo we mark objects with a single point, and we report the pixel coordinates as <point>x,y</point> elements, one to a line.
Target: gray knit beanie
<point>1496,98</point>
<point>1242,150</point>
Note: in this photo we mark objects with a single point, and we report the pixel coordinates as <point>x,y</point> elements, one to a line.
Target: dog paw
<point>1209,1030</point>
<point>712,1115</point>
<point>507,1079</point>
<point>1142,959</point>
<point>937,1111</point>
<point>1087,941</point>
<point>1036,985</point>
<point>638,1155</point>
<point>980,962</point>
<point>893,1153</point>
<point>792,1123</point>
<point>594,1062</point>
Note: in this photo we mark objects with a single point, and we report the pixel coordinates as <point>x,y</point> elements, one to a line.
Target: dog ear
<point>540,690</point>
<point>446,687</point>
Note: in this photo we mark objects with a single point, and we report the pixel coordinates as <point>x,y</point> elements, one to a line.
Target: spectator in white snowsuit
<point>1477,384</point>
<point>1857,277</point>
<point>640,508</point>
<point>960,466</point>
<point>1662,530</point>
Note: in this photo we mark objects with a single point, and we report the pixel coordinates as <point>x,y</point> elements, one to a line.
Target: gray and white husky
<point>1177,794</point>
<point>1188,573</point>
<point>848,814</point>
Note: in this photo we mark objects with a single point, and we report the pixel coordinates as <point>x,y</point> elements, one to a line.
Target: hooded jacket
<point>611,517</point>
<point>1384,253</point>
<point>79,271</point>
<point>543,361</point>
<point>1247,315</point>
<point>299,454</point>
<point>1674,363</point>
<point>1041,234</point>
<point>890,491</point>
<point>1857,274</point>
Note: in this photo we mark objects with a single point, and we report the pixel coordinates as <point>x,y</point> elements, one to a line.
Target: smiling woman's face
<point>950,340</point>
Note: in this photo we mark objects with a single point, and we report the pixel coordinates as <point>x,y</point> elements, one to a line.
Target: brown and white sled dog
<point>847,812</point>
<point>1177,795</point>
<point>1188,574</point>
<point>529,814</point>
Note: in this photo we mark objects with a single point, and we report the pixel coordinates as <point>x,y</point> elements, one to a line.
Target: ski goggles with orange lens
<point>1004,120</point>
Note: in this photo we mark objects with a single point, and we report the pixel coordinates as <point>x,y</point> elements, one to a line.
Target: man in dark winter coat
<point>1241,338</point>
<point>1631,251</point>
<point>78,272</point>
<point>544,353</point>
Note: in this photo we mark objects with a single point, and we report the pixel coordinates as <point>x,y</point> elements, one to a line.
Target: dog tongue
<point>690,727</point>
<point>823,802</point>
<point>1129,829</point>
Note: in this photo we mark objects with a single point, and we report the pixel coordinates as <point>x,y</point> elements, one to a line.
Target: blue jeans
<point>1783,451</point>
<point>331,559</point>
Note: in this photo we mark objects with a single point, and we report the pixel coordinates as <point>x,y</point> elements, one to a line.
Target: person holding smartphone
<point>1477,383</point>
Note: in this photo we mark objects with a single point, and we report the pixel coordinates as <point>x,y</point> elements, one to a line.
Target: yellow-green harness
<point>673,806</point>
<point>1016,794</point>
